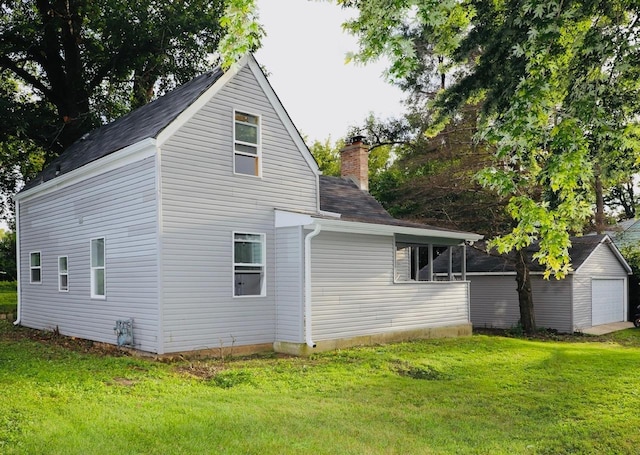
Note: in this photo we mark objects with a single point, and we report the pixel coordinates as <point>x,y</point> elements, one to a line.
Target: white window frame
<point>413,262</point>
<point>263,241</point>
<point>93,269</point>
<point>37,267</point>
<point>62,273</point>
<point>257,145</point>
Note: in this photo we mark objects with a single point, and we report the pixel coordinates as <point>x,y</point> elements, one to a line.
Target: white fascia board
<point>282,114</point>
<point>390,230</point>
<point>285,218</point>
<point>288,219</point>
<point>130,154</point>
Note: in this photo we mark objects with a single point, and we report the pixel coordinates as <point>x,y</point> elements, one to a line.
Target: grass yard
<point>477,395</point>
<point>8,296</point>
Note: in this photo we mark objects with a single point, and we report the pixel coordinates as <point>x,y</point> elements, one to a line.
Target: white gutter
<point>17,321</point>
<point>307,285</point>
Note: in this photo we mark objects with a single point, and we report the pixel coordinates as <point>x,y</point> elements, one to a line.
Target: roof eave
<point>134,152</point>
<point>284,218</point>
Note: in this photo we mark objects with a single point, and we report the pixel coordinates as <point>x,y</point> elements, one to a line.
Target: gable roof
<point>145,122</point>
<point>480,262</point>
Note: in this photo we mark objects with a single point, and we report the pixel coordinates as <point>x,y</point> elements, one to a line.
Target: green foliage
<point>471,395</point>
<point>8,296</point>
<point>558,84</point>
<point>243,32</point>
<point>67,67</point>
<point>327,156</point>
<point>631,254</point>
<point>8,268</point>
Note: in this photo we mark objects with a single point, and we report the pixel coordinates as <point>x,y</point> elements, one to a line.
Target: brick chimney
<point>354,162</point>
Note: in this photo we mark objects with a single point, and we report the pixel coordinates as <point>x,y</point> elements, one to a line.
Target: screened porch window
<point>246,144</point>
<point>248,264</point>
<point>427,262</point>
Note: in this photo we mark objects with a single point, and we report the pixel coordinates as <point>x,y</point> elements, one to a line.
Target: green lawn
<point>8,296</point>
<point>476,395</point>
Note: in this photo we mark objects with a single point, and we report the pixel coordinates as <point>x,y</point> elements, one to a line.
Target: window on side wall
<point>248,264</point>
<point>35,268</point>
<point>246,144</point>
<point>63,274</point>
<point>412,262</point>
<point>98,269</point>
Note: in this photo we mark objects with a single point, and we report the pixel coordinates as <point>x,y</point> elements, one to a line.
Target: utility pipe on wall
<point>307,285</point>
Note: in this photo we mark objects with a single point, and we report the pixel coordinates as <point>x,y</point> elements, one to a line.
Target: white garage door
<point>607,301</point>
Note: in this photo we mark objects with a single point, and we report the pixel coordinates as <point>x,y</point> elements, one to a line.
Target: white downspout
<point>17,321</point>
<point>307,286</point>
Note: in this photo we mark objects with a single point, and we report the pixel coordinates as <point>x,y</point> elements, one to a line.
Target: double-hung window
<point>63,273</point>
<point>98,269</point>
<point>248,264</point>
<point>246,144</point>
<point>35,267</point>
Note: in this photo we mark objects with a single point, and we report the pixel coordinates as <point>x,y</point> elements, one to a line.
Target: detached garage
<point>594,293</point>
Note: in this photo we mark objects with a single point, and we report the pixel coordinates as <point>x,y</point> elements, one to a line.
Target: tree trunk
<point>600,224</point>
<point>525,296</point>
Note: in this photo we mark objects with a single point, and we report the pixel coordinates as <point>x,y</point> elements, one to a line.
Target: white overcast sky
<point>304,53</point>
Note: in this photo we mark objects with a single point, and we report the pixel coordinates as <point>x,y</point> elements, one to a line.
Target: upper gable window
<point>246,144</point>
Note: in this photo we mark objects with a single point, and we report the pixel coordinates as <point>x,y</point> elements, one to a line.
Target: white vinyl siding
<point>494,301</point>
<point>204,203</point>
<point>581,301</point>
<point>495,304</point>
<point>602,264</point>
<point>35,267</point>
<point>98,269</point>
<point>63,274</point>
<point>289,284</point>
<point>564,305</point>
<point>354,293</point>
<point>119,205</point>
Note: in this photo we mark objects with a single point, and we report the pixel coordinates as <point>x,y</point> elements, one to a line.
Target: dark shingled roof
<point>343,196</point>
<point>146,122</point>
<point>340,195</point>
<point>479,261</point>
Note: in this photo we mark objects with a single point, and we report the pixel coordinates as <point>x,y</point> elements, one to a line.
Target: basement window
<point>246,144</point>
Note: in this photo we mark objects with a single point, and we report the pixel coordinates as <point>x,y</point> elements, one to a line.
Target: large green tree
<point>67,66</point>
<point>558,82</point>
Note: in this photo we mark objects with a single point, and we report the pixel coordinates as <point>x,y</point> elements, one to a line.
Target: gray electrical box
<point>124,332</point>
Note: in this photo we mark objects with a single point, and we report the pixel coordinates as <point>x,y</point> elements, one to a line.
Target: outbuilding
<point>594,293</point>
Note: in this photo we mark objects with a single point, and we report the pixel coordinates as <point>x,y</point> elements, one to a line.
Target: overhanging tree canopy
<point>558,81</point>
<point>68,66</point>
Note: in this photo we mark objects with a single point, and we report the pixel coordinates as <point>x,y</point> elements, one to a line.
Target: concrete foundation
<point>301,349</point>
